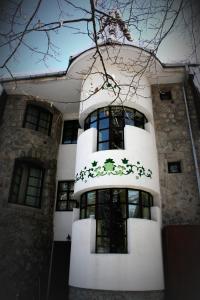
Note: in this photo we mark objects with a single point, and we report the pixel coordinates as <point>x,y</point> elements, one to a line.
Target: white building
<point>109,192</point>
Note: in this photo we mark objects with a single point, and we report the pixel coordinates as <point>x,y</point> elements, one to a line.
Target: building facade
<point>104,159</point>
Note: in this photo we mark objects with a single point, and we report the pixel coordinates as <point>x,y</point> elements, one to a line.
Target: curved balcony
<point>141,269</point>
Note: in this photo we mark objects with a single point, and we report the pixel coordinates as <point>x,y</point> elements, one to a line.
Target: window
<point>38,118</point>
<point>65,196</point>
<point>70,132</point>
<point>111,208</point>
<point>174,167</point>
<point>110,122</point>
<point>165,95</point>
<point>27,182</point>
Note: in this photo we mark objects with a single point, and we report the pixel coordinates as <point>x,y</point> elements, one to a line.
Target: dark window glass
<point>174,167</point>
<point>165,95</point>
<point>110,122</point>
<point>70,132</point>
<point>65,196</point>
<point>27,182</point>
<point>112,208</point>
<point>38,118</point>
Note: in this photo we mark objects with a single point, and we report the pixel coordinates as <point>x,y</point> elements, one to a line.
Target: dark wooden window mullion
<point>26,185</point>
<point>38,120</point>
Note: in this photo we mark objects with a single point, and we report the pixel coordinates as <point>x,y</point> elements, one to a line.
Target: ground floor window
<point>65,196</point>
<point>111,208</point>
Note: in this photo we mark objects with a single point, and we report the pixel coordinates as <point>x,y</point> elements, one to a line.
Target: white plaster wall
<point>139,270</point>
<point>62,225</point>
<point>139,146</point>
<point>66,162</point>
<point>65,171</point>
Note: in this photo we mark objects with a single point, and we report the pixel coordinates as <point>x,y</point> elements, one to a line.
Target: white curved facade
<point>141,268</point>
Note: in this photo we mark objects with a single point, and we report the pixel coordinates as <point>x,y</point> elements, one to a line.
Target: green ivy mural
<point>109,167</point>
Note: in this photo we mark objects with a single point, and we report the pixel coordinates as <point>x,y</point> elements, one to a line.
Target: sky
<point>66,42</point>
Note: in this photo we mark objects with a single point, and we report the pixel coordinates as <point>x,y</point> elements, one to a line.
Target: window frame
<point>68,191</point>
<point>165,94</point>
<point>25,165</point>
<point>97,205</point>
<point>111,140</point>
<point>174,163</point>
<point>75,127</point>
<point>40,110</point>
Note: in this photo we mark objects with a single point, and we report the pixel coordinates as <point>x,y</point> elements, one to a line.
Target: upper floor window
<point>70,132</point>
<point>38,118</point>
<point>110,122</point>
<point>65,196</point>
<point>111,208</point>
<point>165,95</point>
<point>27,183</point>
<point>174,167</point>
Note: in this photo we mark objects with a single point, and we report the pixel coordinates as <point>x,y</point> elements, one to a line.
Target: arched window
<point>38,118</point>
<point>27,183</point>
<point>111,208</point>
<point>110,122</point>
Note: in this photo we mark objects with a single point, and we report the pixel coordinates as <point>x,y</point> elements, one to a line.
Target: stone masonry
<point>26,232</point>
<point>180,199</point>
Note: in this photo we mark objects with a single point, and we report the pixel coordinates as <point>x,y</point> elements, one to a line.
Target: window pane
<point>82,214</point>
<point>119,195</point>
<point>90,211</point>
<point>62,205</point>
<point>91,198</point>
<point>33,181</point>
<point>103,212</point>
<point>35,172</point>
<point>134,211</point>
<point>117,111</point>
<point>70,132</point>
<point>71,195</point>
<point>103,196</point>
<point>32,201</point>
<point>139,119</point>
<point>33,191</point>
<point>63,186</point>
<point>103,135</point>
<point>62,196</point>
<point>93,117</point>
<point>145,199</point>
<point>37,118</point>
<point>133,197</point>
<point>72,204</point>
<point>31,119</point>
<point>103,245</point>
<point>104,146</point>
<point>117,122</point>
<point>103,112</point>
<point>30,126</point>
<point>93,125</point>
<point>103,227</point>
<point>83,201</point>
<point>104,123</point>
<point>146,213</point>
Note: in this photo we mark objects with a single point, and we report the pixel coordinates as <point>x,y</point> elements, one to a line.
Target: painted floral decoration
<point>109,167</point>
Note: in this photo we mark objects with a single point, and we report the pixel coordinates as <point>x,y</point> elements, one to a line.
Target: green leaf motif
<point>109,167</point>
<point>125,161</point>
<point>94,163</point>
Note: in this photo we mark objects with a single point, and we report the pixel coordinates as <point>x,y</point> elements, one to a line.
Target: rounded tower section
<point>117,180</point>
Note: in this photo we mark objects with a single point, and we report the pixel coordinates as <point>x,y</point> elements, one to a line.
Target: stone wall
<point>86,294</point>
<point>26,232</point>
<point>180,200</point>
